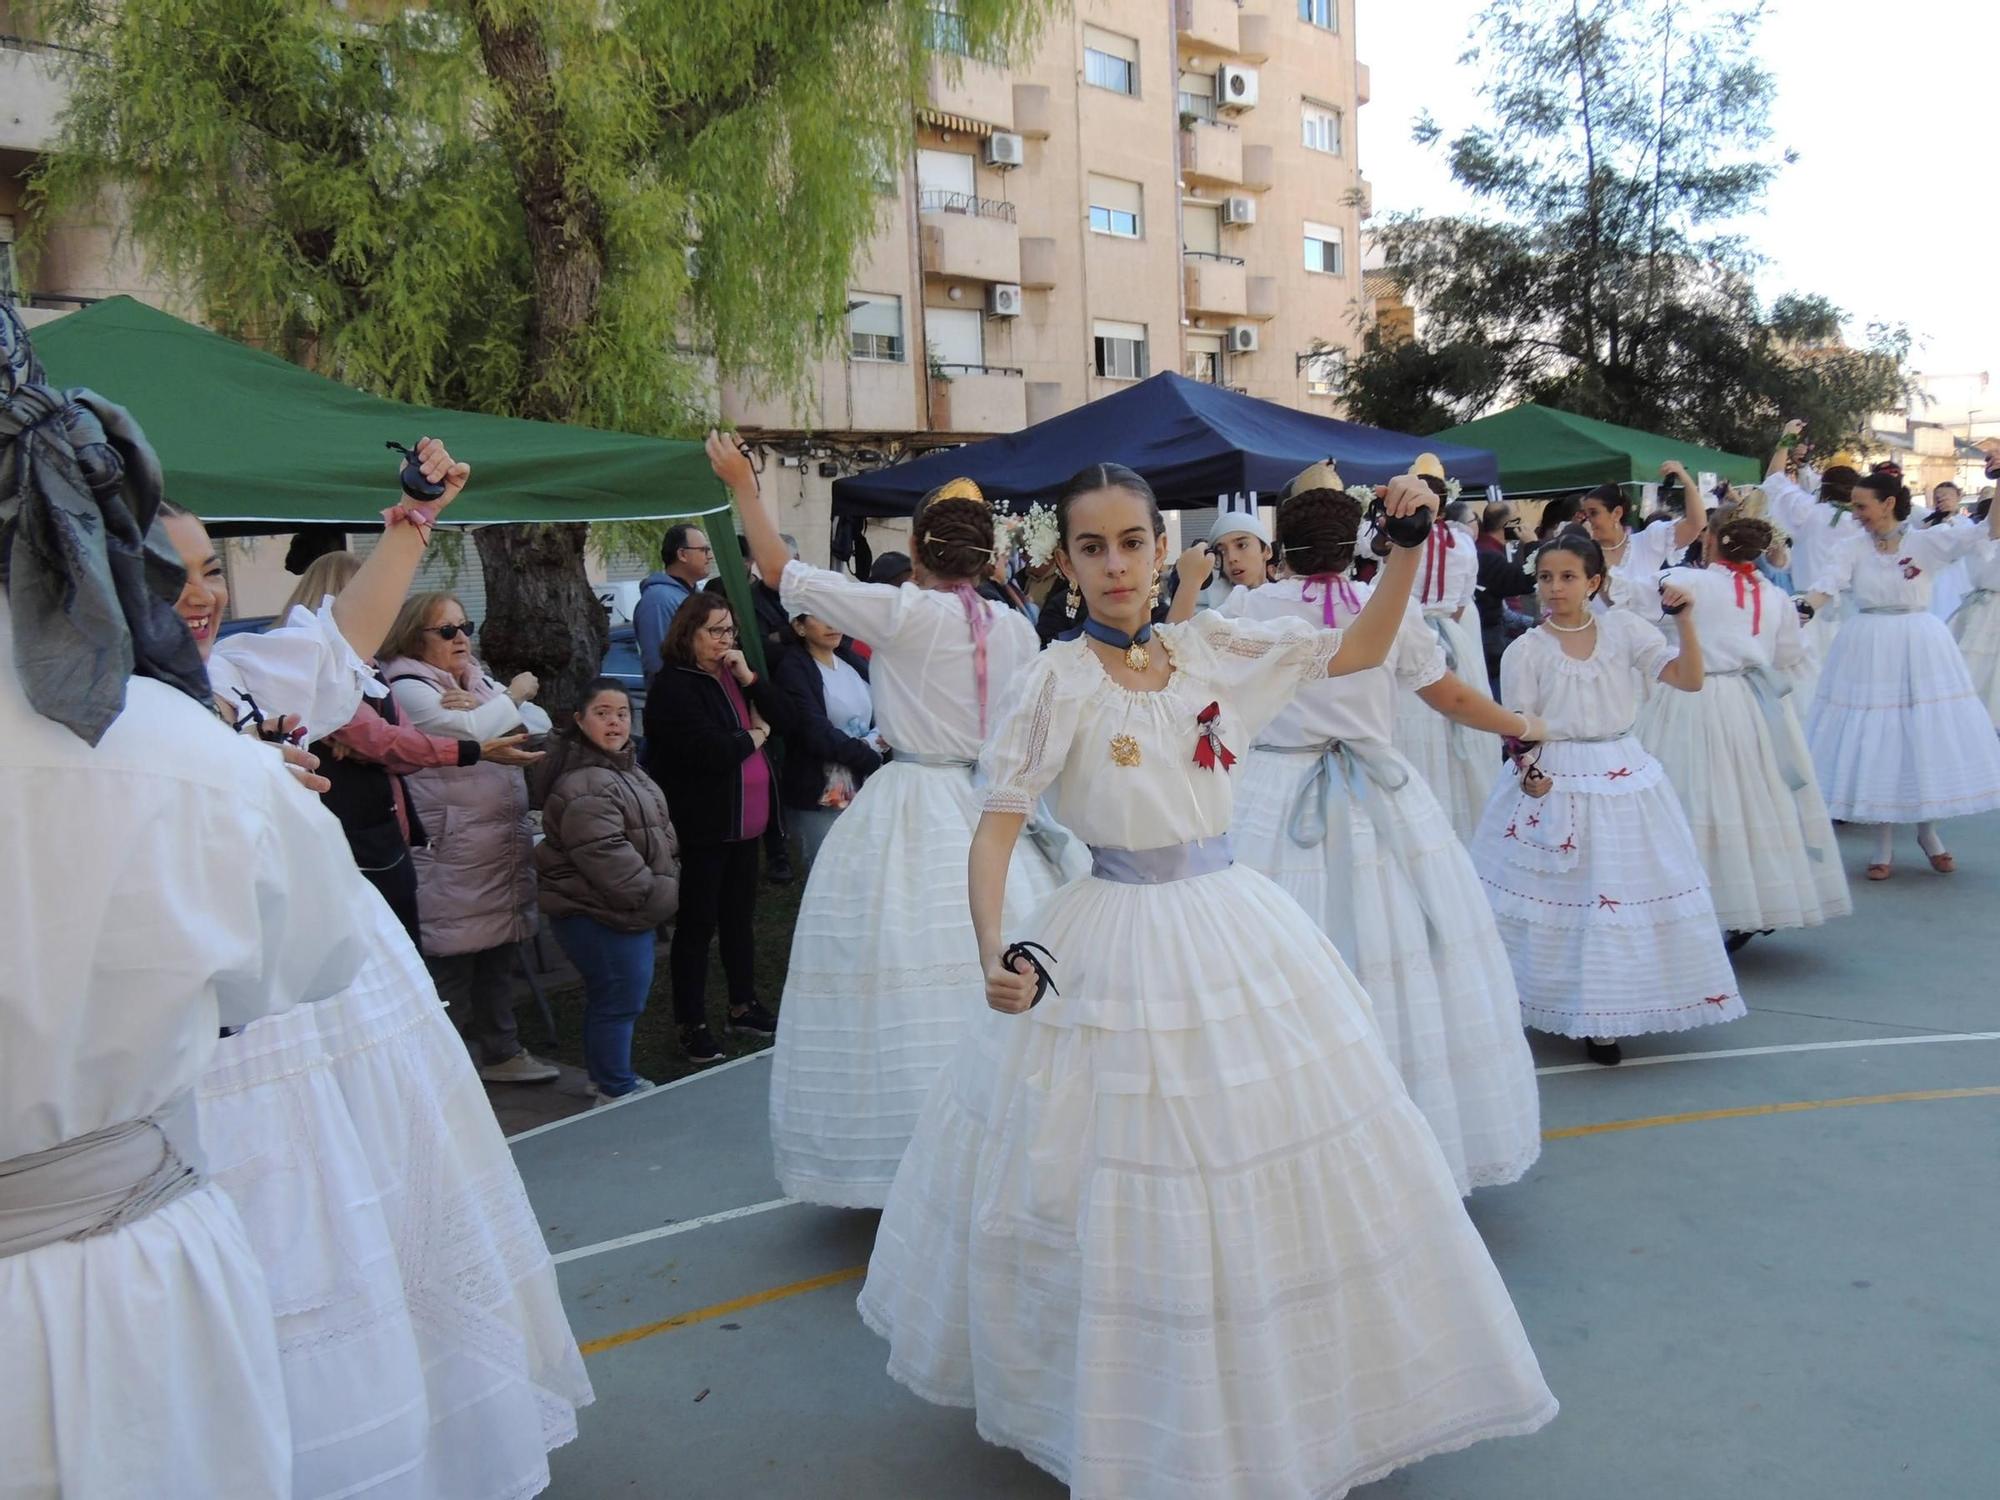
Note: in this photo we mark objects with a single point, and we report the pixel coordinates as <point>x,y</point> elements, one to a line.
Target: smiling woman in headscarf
<point>167,880</point>
<point>885,975</point>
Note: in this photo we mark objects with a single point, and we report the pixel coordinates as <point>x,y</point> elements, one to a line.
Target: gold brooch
<point>1124,750</point>
<point>1137,657</point>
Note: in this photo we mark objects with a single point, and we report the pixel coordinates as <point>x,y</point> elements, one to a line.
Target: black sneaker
<point>754,1018</point>
<point>779,871</point>
<point>1609,1054</point>
<point>700,1046</point>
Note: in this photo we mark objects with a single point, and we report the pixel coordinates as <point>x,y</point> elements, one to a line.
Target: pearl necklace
<point>1570,629</point>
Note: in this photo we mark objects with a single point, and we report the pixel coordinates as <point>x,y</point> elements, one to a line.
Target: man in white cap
<point>1241,544</point>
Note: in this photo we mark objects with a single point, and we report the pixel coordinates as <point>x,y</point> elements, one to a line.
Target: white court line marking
<point>652,1093</point>
<point>1857,1043</point>
<point>666,1231</point>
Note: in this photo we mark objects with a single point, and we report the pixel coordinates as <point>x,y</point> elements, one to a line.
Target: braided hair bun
<point>1317,531</point>
<point>952,535</point>
<point>1742,539</point>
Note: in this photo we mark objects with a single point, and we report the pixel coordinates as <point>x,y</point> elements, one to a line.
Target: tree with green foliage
<point>1625,140</point>
<point>570,210</point>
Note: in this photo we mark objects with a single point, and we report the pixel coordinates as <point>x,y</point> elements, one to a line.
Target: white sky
<point>1894,110</point>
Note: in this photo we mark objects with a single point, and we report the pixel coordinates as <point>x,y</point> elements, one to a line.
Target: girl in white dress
<point>422,1338</point>
<point>1976,625</point>
<point>1459,761</point>
<point>1586,856</point>
<point>1735,752</point>
<point>1949,585</point>
<point>1178,1231</point>
<point>1813,511</point>
<point>1333,813</point>
<point>1635,554</point>
<point>884,974</point>
<point>1897,732</point>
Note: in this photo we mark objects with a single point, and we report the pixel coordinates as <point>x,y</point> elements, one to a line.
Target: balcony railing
<point>945,369</point>
<point>1227,260</point>
<point>937,201</point>
<point>1199,106</point>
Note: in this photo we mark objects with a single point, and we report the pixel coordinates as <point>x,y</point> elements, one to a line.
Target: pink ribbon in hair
<point>1328,583</point>
<point>979,621</point>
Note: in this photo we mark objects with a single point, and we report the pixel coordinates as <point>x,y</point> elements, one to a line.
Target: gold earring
<point>1153,597</point>
<point>1074,603</point>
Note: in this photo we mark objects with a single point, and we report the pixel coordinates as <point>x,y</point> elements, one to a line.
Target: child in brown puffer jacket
<point>609,873</point>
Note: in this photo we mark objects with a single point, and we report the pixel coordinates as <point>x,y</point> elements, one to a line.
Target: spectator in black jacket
<point>775,633</point>
<point>832,744</point>
<point>707,718</point>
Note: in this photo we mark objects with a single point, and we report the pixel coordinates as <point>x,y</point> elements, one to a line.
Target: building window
<point>1320,127</point>
<point>1324,251</point>
<point>1110,61</point>
<point>1204,358</point>
<point>948,30</point>
<point>1115,207</point>
<point>1201,229</point>
<point>956,338</point>
<point>875,327</point>
<point>1324,14</point>
<point>1197,96</point>
<point>1325,373</point>
<point>1121,350</point>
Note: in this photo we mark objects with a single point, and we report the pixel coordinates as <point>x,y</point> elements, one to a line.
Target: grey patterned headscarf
<point>89,589</point>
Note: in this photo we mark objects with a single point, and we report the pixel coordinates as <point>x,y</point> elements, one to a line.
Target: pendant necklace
<point>1137,657</point>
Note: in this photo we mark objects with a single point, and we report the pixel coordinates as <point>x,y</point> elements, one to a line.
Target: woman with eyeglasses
<point>476,878</point>
<point>708,716</point>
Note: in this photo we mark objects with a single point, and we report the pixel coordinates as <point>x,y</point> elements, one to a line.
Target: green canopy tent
<point>1543,451</point>
<point>253,443</point>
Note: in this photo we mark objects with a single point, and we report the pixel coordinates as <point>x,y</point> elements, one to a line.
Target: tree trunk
<point>542,615</point>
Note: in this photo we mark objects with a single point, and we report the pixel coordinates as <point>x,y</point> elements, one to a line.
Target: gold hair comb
<point>955,489</point>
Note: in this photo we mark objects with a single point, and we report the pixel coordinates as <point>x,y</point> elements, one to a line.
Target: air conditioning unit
<point>1243,338</point>
<point>1239,209</point>
<point>1003,300</point>
<point>1235,88</point>
<point>1005,150</point>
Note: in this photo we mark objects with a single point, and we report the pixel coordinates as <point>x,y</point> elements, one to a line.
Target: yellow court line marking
<point>1571,1132</point>
<point>722,1309</point>
<point>1749,1111</point>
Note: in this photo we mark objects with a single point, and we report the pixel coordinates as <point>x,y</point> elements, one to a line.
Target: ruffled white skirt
<point>884,976</point>
<point>1460,764</point>
<point>503,1371</point>
<point>1396,892</point>
<point>280,1141</point>
<point>1179,1231</point>
<point>1601,899</point>
<point>1767,847</point>
<point>143,1362</point>
<point>1898,735</point>
<point>1977,629</point>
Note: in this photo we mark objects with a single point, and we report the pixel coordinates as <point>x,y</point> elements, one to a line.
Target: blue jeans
<point>617,970</point>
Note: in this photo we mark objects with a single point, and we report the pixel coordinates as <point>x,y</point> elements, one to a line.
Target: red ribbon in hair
<point>1746,582</point>
<point>1208,748</point>
<point>1440,542</point>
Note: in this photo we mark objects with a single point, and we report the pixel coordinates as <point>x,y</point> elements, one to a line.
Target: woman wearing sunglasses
<point>476,879</point>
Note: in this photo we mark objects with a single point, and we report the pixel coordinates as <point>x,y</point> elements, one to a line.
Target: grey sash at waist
<point>1972,597</point>
<point>1047,835</point>
<point>1355,772</point>
<point>1770,691</point>
<point>1162,866</point>
<point>100,1182</point>
<point>1890,609</point>
<point>1593,739</point>
<point>1436,623</point>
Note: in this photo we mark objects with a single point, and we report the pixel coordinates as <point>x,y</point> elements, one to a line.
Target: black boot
<point>1607,1053</point>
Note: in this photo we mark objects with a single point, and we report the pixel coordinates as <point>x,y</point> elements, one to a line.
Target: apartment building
<point>1162,185</point>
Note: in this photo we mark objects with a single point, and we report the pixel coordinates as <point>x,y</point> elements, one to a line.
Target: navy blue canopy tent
<point>1192,441</point>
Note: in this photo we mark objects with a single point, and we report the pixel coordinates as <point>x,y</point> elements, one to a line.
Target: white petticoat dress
<point>1179,1232</point>
<point>422,1337</point>
<point>1459,763</point>
<point>1898,733</point>
<point>1816,529</point>
<point>1336,817</point>
<point>1598,891</point>
<point>884,972</point>
<point>1737,757</point>
<point>1976,626</point>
